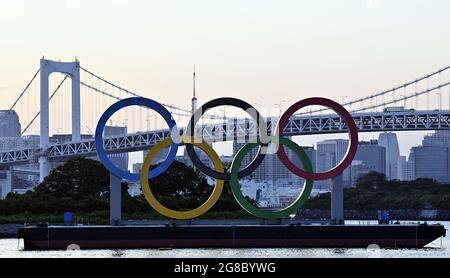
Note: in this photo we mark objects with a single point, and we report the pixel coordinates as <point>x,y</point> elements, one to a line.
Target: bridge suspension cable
<point>404,98</point>
<point>118,98</point>
<point>185,112</point>
<point>39,112</point>
<point>374,96</point>
<point>24,90</point>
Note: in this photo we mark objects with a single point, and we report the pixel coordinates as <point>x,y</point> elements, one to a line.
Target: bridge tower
<point>48,67</point>
<point>194,98</point>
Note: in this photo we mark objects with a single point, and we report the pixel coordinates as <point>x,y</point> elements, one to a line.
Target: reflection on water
<point>438,248</point>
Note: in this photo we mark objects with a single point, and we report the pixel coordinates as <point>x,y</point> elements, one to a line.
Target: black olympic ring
<point>262,126</point>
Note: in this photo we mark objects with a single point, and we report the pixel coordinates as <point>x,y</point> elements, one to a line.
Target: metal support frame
<point>337,200</point>
<point>115,200</point>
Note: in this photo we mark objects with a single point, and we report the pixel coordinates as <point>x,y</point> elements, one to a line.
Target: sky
<point>260,51</point>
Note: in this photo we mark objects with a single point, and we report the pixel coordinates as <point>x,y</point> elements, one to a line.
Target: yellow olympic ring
<point>174,214</point>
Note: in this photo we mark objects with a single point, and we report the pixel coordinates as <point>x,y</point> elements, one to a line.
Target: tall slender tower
<point>194,98</point>
<point>390,142</point>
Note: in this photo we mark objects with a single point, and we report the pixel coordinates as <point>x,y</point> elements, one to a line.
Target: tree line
<point>374,191</point>
<point>82,186</point>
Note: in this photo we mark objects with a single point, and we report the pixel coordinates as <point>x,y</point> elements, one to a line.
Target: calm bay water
<point>438,248</point>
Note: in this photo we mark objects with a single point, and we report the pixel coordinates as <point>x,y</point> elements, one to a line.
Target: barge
<point>294,235</point>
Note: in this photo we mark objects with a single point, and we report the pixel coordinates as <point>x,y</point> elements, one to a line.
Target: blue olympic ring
<point>129,102</point>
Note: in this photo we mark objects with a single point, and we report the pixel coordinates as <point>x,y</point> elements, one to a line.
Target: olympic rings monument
<point>271,231</point>
<point>261,141</point>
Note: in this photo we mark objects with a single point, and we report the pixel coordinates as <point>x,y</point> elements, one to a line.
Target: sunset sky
<point>260,51</point>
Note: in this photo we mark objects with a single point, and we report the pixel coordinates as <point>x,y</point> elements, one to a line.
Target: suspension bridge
<point>372,113</point>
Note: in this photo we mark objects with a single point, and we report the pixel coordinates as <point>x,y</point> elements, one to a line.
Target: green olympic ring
<point>258,212</point>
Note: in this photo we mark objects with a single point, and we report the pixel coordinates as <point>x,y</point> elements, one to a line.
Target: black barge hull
<point>225,236</point>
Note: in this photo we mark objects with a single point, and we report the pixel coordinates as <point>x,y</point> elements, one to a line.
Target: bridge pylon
<point>71,69</point>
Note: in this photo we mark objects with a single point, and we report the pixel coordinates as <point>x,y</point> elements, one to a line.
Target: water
<point>14,248</point>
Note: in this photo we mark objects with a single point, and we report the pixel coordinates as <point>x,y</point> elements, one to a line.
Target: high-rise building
<point>359,169</point>
<point>270,168</point>
<point>390,142</point>
<point>372,154</point>
<point>201,155</point>
<point>405,169</point>
<point>5,183</point>
<point>329,153</point>
<point>9,124</point>
<point>10,132</point>
<point>431,160</point>
<point>441,138</point>
<point>137,168</point>
<point>24,142</point>
<point>19,181</point>
<point>159,157</point>
<point>311,153</point>
<point>370,157</point>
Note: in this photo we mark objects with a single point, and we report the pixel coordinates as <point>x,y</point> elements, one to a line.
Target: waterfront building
<point>270,168</point>
<point>359,169</point>
<point>405,168</point>
<point>137,168</point>
<point>390,142</point>
<point>370,157</point>
<point>159,157</point>
<point>5,183</point>
<point>431,162</point>
<point>9,124</point>
<point>440,138</point>
<point>329,153</point>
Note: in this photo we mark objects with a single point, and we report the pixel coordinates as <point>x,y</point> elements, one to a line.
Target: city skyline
<point>212,81</point>
<point>223,148</point>
<point>295,50</point>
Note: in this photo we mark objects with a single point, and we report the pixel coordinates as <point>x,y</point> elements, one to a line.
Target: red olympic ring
<point>352,133</point>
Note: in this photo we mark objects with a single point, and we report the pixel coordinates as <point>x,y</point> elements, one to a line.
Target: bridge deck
<point>408,120</point>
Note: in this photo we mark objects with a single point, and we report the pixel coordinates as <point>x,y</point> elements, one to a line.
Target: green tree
<point>77,179</point>
<point>181,182</point>
<point>372,181</point>
<point>82,186</point>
